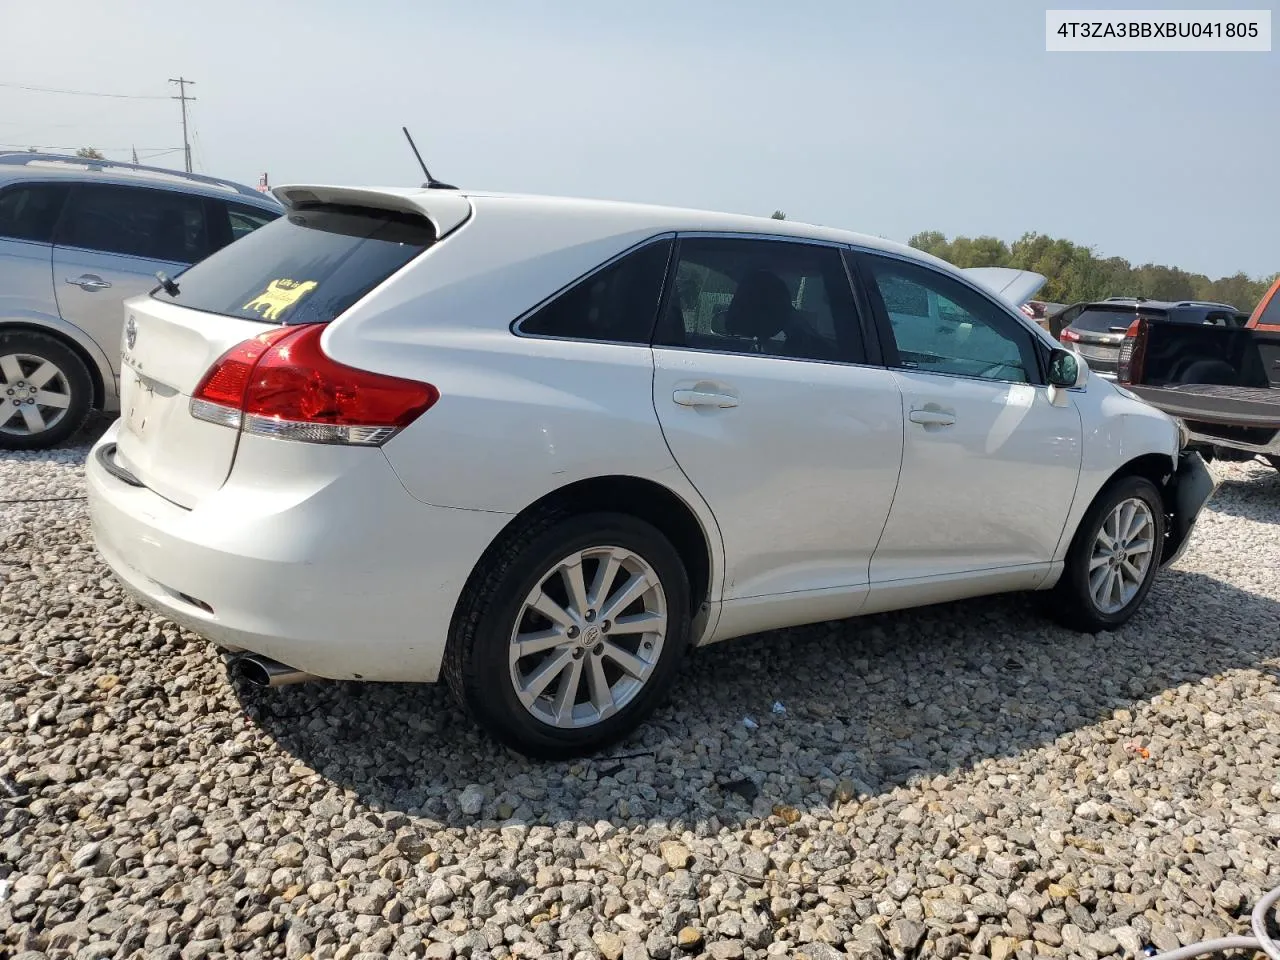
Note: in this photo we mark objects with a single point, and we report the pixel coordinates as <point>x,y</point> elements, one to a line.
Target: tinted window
<point>773,297</point>
<point>618,303</point>
<point>136,222</point>
<point>245,220</point>
<point>1109,320</point>
<point>306,267</point>
<point>30,212</point>
<point>942,326</point>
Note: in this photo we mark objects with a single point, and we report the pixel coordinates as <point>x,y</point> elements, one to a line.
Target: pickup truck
<point>1222,382</point>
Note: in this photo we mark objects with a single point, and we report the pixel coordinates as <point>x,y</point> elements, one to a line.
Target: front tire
<point>1113,557</point>
<point>570,633</point>
<point>45,391</point>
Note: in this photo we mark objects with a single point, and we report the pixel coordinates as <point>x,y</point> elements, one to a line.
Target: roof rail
<point>1122,299</point>
<point>23,157</point>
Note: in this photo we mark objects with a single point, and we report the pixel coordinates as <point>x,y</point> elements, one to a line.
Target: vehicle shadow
<point>875,701</point>
<point>1254,496</point>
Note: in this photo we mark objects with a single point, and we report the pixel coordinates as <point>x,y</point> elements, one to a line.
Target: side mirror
<point>1067,370</point>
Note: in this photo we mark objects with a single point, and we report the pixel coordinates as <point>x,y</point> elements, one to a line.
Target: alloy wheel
<point>588,637</point>
<point>35,394</point>
<point>1122,554</point>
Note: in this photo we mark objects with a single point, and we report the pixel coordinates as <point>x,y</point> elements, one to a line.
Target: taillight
<point>1133,352</point>
<point>281,384</point>
<point>1068,336</point>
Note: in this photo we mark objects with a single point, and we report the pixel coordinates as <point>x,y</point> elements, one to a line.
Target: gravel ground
<point>965,780</point>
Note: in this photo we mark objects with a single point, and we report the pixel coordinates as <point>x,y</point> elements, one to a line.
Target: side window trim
<point>1030,344</point>
<point>882,350</point>
<point>516,325</point>
<point>870,346</point>
<point>217,223</point>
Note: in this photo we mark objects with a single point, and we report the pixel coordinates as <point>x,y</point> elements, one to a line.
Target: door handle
<point>932,418</point>
<point>703,398</point>
<point>89,282</point>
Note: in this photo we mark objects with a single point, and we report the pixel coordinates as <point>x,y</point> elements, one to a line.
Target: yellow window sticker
<point>279,296</point>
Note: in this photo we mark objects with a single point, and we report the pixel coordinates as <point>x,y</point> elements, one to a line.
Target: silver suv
<point>77,238</point>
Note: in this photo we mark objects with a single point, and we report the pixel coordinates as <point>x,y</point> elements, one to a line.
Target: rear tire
<point>1113,557</point>
<point>45,391</point>
<point>596,663</point>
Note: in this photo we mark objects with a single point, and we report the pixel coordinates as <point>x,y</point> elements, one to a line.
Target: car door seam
<point>897,484</point>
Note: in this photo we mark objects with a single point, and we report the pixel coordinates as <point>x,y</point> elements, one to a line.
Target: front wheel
<point>570,633</point>
<point>1113,557</point>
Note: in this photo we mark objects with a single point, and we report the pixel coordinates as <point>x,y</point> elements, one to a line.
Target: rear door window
<point>305,267</point>
<point>30,211</point>
<point>136,222</point>
<point>779,298</point>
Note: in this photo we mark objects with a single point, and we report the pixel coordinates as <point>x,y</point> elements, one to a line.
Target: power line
<point>81,93</point>
<point>182,96</point>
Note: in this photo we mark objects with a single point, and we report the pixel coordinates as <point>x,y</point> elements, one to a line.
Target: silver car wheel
<point>35,394</point>
<point>1123,551</point>
<point>588,637</point>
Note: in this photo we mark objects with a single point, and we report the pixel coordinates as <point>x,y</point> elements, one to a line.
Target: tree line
<point>1076,273</point>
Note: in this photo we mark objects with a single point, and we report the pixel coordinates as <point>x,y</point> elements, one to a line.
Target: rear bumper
<point>1191,487</point>
<point>341,574</point>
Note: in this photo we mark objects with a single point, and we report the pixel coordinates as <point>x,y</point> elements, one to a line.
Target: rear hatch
<point>332,248</point>
<point>1098,331</point>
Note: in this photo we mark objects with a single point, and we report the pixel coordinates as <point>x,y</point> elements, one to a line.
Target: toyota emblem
<point>130,333</point>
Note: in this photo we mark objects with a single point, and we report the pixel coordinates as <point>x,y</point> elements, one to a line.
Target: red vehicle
<point>1266,315</point>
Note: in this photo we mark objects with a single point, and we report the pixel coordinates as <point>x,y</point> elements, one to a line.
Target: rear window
<point>306,267</point>
<point>1104,320</point>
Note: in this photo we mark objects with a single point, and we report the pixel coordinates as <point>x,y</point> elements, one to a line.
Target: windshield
<point>306,267</point>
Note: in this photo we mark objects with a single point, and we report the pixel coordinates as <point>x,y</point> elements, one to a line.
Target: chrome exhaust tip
<point>264,672</point>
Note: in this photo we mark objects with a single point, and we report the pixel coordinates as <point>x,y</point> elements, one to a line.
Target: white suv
<point>543,447</point>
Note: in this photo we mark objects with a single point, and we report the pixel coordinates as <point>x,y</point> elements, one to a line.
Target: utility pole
<point>182,96</point>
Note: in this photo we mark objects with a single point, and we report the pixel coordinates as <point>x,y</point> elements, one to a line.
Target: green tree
<point>1075,272</point>
<point>778,215</point>
<point>933,242</point>
<point>89,153</point>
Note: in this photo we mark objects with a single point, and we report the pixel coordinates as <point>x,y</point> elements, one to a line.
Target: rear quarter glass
<point>305,267</point>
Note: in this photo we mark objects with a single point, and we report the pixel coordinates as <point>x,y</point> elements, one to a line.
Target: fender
<point>1186,492</point>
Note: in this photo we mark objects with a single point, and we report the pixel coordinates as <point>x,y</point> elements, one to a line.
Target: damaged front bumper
<point>1186,493</point>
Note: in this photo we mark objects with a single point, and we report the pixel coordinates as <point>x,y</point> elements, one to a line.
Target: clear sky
<point>883,117</point>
